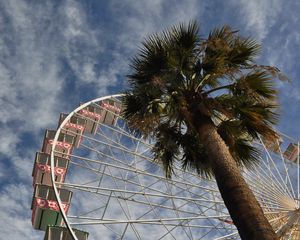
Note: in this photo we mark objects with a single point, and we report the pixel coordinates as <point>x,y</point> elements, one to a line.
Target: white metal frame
<point>270,181</point>
<point>52,157</point>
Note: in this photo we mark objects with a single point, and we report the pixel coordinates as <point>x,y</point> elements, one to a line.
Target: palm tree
<point>205,101</point>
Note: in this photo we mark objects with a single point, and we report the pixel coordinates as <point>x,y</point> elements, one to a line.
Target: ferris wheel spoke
<point>146,221</point>
<point>205,212</point>
<point>288,179</point>
<point>173,204</point>
<point>267,191</point>
<point>138,201</point>
<point>174,182</point>
<point>94,189</point>
<point>152,222</point>
<point>276,217</point>
<point>145,187</point>
<point>120,143</point>
<point>264,192</point>
<point>269,178</point>
<point>153,208</point>
<point>118,147</point>
<point>285,192</point>
<point>126,213</point>
<point>169,232</point>
<point>161,206</point>
<point>129,151</point>
<point>274,166</point>
<point>137,155</point>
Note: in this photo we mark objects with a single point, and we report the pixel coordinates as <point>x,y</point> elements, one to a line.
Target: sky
<point>56,54</point>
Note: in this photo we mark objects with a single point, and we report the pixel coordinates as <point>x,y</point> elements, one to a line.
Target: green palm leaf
<point>177,73</point>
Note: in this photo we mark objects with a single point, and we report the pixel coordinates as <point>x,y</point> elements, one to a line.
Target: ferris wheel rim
<point>52,165</point>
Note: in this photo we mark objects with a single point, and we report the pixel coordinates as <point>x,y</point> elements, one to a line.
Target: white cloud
<point>32,72</point>
<point>8,141</point>
<point>15,217</point>
<point>258,16</point>
<point>142,18</point>
<point>81,44</point>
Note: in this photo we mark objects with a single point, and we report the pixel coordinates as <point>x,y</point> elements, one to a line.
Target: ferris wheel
<point>95,179</point>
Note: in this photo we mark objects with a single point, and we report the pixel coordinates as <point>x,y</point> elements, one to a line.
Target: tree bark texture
<point>241,203</point>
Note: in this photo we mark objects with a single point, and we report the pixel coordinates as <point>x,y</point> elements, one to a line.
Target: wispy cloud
<point>15,201</point>
<point>37,41</point>
<point>258,16</point>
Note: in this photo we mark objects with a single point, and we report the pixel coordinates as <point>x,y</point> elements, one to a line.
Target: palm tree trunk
<point>241,203</point>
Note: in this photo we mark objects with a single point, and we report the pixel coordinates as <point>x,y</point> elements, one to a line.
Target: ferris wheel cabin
<point>74,127</point>
<point>62,233</point>
<point>64,144</point>
<point>42,171</point>
<point>105,112</point>
<point>45,209</point>
<point>292,152</point>
<point>110,111</point>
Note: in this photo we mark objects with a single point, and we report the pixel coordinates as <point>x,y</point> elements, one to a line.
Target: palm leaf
<point>166,148</point>
<point>256,84</point>
<point>239,143</point>
<point>194,157</point>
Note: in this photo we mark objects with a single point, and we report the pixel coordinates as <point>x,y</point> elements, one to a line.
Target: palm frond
<point>183,37</point>
<point>256,84</point>
<point>245,153</point>
<point>226,53</point>
<point>151,61</point>
<point>243,52</point>
<point>258,112</point>
<point>141,112</point>
<point>258,119</point>
<point>239,143</point>
<point>166,148</point>
<point>194,156</point>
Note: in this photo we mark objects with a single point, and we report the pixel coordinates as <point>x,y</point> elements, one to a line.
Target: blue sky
<point>56,54</point>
